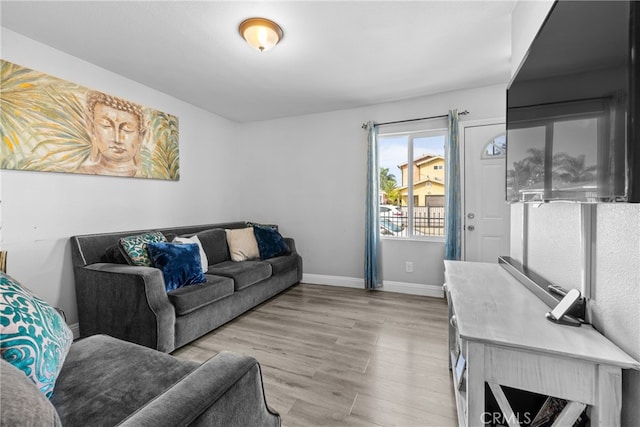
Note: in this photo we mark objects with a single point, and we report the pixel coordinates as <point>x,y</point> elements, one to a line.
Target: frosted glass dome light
<point>261,33</point>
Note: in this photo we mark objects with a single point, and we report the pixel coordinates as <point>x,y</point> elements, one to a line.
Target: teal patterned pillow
<point>33,336</point>
<point>134,248</point>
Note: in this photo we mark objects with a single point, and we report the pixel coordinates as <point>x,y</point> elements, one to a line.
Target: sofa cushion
<point>194,239</point>
<point>283,263</point>
<point>22,402</point>
<point>214,243</point>
<point>180,264</point>
<point>244,274</point>
<point>190,298</point>
<point>35,338</point>
<point>104,380</point>
<point>270,242</point>
<point>134,248</point>
<point>242,244</point>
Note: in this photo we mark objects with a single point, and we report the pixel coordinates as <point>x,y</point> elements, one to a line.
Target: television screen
<point>568,107</point>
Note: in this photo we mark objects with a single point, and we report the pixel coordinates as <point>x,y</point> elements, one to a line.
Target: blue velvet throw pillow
<point>180,263</point>
<point>270,242</point>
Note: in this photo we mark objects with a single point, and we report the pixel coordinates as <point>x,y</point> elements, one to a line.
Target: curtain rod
<point>462,113</point>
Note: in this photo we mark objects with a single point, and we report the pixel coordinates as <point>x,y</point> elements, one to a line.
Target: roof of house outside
<point>425,158</point>
<point>422,181</point>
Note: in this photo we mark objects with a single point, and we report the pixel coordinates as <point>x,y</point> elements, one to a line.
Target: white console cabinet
<point>500,329</point>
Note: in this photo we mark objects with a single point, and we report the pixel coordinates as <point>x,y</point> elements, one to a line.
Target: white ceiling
<point>334,55</point>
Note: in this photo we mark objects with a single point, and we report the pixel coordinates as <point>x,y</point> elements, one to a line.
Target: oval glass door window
<point>497,147</point>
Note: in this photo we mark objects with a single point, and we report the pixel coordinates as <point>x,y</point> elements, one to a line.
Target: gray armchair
<point>106,382</point>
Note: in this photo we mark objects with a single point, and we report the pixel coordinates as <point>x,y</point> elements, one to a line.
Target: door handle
<point>471,228</point>
<point>471,215</point>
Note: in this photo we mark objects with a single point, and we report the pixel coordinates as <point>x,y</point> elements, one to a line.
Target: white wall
<point>615,304</point>
<point>40,211</point>
<point>314,185</point>
<point>548,225</point>
<point>526,19</point>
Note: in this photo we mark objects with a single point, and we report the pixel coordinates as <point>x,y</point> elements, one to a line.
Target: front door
<point>486,214</point>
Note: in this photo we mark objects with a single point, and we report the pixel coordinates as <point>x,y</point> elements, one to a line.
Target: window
<point>412,184</point>
<point>496,148</point>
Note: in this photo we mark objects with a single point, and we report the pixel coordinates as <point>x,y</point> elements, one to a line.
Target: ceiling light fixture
<point>261,33</point>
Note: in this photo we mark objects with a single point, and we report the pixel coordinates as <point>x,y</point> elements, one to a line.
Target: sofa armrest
<point>225,391</point>
<point>126,302</point>
<point>292,244</point>
<point>294,251</point>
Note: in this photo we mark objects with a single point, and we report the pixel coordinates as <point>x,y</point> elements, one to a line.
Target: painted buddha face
<point>116,134</point>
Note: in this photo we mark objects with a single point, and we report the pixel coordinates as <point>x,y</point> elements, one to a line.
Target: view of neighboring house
<point>428,181</point>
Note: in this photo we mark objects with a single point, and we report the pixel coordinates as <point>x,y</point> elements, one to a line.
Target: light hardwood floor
<point>333,356</point>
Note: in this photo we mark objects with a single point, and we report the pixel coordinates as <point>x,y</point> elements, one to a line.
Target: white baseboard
<point>413,289</point>
<point>75,328</point>
<point>387,286</point>
<point>321,279</point>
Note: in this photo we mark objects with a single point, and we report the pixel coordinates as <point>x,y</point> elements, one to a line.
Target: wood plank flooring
<point>333,356</point>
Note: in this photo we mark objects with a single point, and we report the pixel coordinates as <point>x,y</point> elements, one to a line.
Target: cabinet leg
<point>608,408</point>
<point>476,415</point>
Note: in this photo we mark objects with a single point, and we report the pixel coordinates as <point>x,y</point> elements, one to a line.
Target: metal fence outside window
<point>427,221</point>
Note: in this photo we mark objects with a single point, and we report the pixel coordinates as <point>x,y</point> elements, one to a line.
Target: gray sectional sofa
<point>131,303</point>
<point>107,382</point>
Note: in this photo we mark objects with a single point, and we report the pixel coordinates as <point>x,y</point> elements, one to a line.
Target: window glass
<point>497,147</point>
<point>412,184</point>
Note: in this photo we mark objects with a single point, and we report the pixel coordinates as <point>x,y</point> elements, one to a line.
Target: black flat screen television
<point>572,107</point>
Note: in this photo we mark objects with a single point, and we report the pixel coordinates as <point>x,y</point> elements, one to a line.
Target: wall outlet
<point>408,267</point>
